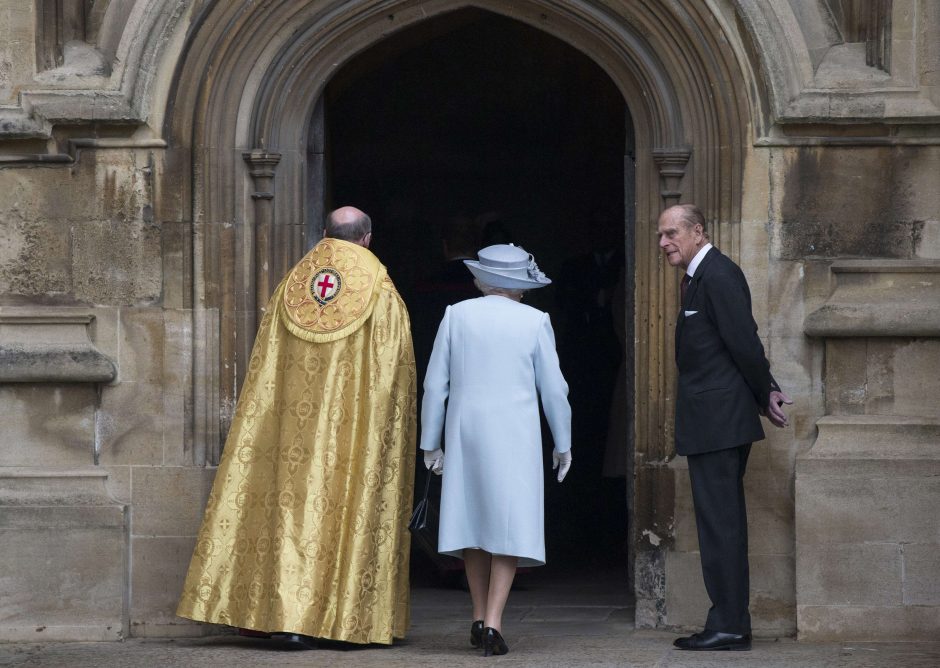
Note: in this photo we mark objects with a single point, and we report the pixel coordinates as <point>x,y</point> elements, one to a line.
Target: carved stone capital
<point>261,167</point>
<point>671,163</point>
<point>261,163</point>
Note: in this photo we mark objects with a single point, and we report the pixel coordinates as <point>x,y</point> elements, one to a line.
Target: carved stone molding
<point>671,163</point>
<point>41,347</point>
<point>880,298</point>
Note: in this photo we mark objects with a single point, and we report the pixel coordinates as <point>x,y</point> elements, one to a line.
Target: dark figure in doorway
<point>724,386</point>
<point>493,229</point>
<point>591,352</point>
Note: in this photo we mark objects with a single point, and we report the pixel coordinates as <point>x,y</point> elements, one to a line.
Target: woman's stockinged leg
<point>477,565</point>
<point>502,572</point>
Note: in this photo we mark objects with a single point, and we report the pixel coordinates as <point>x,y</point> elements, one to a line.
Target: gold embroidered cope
<point>305,529</point>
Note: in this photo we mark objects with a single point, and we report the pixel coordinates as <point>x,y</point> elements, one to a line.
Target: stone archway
<point>237,126</point>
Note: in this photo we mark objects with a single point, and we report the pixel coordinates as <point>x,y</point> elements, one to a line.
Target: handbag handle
<point>427,484</point>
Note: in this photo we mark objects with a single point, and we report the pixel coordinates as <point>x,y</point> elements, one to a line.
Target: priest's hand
<point>434,461</point>
<point>562,462</point>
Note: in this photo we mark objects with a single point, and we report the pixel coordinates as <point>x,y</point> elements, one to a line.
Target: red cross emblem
<point>325,285</point>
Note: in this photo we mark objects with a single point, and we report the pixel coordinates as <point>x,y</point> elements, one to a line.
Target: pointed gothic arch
<point>237,124</point>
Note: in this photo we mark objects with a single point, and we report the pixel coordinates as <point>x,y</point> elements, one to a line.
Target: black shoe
<point>493,643</point>
<point>715,640</point>
<point>476,634</point>
<point>251,633</point>
<point>295,641</point>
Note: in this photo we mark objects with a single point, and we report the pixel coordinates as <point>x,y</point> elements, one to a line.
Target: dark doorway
<point>475,117</point>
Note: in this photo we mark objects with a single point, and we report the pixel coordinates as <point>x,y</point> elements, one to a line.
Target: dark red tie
<point>684,286</point>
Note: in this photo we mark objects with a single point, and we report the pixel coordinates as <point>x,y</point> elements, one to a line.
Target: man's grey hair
<point>691,215</point>
<point>486,289</point>
<point>352,231</point>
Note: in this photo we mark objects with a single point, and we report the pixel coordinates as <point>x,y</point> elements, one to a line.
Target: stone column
<point>261,166</point>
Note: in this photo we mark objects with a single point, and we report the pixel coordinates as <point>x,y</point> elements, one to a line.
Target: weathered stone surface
<point>855,574</point>
<point>822,214</point>
<point>177,255</point>
<point>177,395</point>
<point>50,345</point>
<point>686,599</point>
<point>861,443</point>
<point>119,483</point>
<point>24,200</point>
<point>860,623</point>
<point>919,500</point>
<point>78,592</point>
<point>158,569</point>
<point>883,376</point>
<point>848,510</point>
<point>16,49</point>
<point>47,425</point>
<point>784,300</point>
<point>54,486</point>
<point>879,298</point>
<point>770,527</point>
<point>116,262</point>
<point>142,345</point>
<point>35,256</point>
<point>773,594</point>
<point>46,364</point>
<point>921,567</point>
<point>846,375</point>
<point>927,242</point>
<point>157,513</point>
<point>130,424</point>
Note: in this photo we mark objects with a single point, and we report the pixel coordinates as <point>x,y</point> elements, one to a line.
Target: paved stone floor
<point>548,623</point>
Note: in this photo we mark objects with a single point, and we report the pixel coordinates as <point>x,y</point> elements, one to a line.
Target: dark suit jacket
<point>724,375</point>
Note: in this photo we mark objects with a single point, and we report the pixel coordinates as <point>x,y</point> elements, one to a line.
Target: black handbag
<point>424,521</point>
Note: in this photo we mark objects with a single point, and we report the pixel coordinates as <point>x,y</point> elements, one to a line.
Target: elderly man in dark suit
<point>724,386</point>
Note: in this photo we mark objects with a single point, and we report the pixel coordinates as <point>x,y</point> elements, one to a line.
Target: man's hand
<point>774,410</point>
<point>562,462</point>
<point>434,461</point>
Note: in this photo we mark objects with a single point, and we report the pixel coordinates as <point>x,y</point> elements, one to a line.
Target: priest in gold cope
<point>305,533</point>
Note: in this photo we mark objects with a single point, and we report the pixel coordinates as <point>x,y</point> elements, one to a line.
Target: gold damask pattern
<point>332,290</point>
<point>306,525</point>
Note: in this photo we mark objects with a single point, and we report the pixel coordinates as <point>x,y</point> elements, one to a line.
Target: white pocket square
<point>688,313</point>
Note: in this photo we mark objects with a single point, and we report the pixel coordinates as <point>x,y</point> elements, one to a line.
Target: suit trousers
<point>721,518</point>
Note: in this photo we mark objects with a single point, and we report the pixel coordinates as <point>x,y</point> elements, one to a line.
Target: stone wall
<point>867,492</point>
<point>95,460</point>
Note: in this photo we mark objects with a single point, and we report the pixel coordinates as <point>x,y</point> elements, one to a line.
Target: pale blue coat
<point>492,359</point>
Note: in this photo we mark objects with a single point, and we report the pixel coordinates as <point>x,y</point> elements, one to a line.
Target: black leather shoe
<point>295,641</point>
<point>251,633</point>
<point>493,643</point>
<point>476,634</point>
<point>715,640</point>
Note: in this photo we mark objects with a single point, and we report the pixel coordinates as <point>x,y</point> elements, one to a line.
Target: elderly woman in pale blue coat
<point>492,359</point>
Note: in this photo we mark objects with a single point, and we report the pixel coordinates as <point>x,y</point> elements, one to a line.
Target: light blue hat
<point>507,266</point>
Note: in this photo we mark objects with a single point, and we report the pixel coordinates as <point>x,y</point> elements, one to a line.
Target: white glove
<point>562,462</point>
<point>434,461</point>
